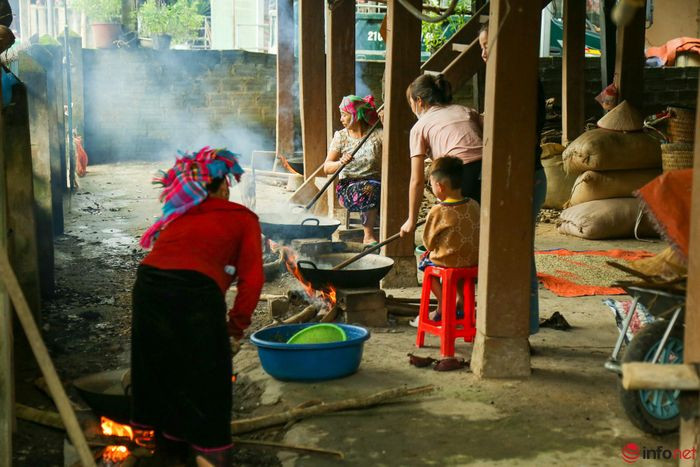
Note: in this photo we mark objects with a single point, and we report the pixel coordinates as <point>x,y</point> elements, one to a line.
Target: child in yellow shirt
<point>451,233</point>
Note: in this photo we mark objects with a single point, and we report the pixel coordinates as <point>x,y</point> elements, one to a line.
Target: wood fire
<point>327,295</point>
<point>115,454</point>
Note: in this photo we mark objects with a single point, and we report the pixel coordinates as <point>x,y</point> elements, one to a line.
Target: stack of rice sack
<point>559,183</point>
<point>610,163</point>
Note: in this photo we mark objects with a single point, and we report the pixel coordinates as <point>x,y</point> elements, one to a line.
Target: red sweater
<point>206,239</point>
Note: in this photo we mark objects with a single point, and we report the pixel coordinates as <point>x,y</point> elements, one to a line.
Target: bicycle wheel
<point>653,411</point>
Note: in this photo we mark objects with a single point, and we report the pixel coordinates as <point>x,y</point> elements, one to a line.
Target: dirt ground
<point>566,413</point>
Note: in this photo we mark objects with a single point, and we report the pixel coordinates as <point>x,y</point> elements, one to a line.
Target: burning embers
<point>118,453</point>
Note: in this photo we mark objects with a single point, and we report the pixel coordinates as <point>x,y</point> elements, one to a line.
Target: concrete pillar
<point>50,58</point>
<point>33,76</point>
<point>21,222</point>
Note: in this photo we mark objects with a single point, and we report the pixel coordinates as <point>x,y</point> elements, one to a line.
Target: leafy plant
<point>436,34</point>
<point>100,11</point>
<point>180,20</point>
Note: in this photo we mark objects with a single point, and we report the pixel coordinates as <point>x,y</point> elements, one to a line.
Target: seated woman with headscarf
<point>180,350</point>
<point>359,187</point>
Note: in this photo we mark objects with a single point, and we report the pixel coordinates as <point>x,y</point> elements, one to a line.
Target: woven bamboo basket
<point>681,125</point>
<point>676,156</point>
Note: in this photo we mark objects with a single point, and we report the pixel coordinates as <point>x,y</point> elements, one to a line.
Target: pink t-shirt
<point>452,130</point>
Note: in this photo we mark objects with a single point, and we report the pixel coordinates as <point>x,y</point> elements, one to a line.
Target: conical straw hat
<point>624,117</point>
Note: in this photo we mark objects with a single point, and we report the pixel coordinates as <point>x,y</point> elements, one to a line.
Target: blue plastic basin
<point>309,362</point>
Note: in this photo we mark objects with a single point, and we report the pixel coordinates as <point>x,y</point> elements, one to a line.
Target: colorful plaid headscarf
<point>360,109</point>
<point>185,184</point>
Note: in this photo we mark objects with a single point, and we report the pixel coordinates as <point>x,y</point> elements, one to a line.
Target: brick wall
<point>145,104</point>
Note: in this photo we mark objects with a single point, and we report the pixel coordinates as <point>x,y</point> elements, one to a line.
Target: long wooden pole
<point>374,248</point>
<point>574,55</point>
<point>7,399</point>
<point>75,433</point>
<point>690,427</point>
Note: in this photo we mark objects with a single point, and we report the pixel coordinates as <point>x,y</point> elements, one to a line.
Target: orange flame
<point>115,454</point>
<point>328,294</point>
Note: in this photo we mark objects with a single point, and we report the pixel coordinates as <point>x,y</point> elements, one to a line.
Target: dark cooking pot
<point>289,226</point>
<point>297,163</point>
<point>104,393</point>
<point>366,272</point>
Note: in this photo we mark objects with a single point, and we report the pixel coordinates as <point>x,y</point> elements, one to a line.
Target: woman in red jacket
<point>180,350</point>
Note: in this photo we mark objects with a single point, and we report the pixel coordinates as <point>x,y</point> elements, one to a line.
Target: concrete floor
<point>566,413</point>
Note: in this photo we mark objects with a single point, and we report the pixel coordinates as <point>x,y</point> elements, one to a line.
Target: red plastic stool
<point>449,328</point>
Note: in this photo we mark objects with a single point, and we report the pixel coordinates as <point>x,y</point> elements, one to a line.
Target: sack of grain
<point>602,150</point>
<point>593,185</point>
<point>605,218</point>
<point>558,182</point>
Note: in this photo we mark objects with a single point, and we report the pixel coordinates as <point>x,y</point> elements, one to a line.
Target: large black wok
<point>287,226</point>
<point>105,394</point>
<point>366,272</point>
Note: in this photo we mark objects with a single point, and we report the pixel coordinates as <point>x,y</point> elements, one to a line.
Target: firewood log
<point>266,421</point>
<point>303,316</point>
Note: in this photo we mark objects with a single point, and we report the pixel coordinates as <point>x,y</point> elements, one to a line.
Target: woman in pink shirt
<point>442,129</point>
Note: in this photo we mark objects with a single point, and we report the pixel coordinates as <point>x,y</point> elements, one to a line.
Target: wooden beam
<point>573,67</point>
<point>479,78</point>
<point>21,222</point>
<point>285,78</point>
<point>312,83</point>
<point>7,400</point>
<point>690,428</point>
<point>642,375</point>
<point>402,67</point>
<point>505,254</point>
<point>445,54</point>
<point>34,77</point>
<point>608,40</point>
<point>340,60</point>
<point>463,67</point>
<point>629,60</point>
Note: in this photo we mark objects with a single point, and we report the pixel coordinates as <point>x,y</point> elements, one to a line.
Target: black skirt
<point>181,357</point>
<point>471,180</point>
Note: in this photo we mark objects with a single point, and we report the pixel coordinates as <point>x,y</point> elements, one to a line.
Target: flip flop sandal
<point>420,362</point>
<point>450,363</point>
<point>369,245</point>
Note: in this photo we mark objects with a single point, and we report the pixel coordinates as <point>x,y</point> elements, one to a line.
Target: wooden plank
<point>642,375</point>
<point>463,67</point>
<point>34,77</point>
<point>402,67</point>
<point>573,67</point>
<point>21,223</point>
<point>7,401</point>
<point>340,60</point>
<point>445,54</point>
<point>690,429</point>
<point>312,83</point>
<point>629,60</point>
<point>608,40</point>
<point>505,254</point>
<point>285,78</point>
<point>479,78</point>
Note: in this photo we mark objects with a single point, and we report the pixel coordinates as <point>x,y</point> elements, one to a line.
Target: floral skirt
<point>359,195</point>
